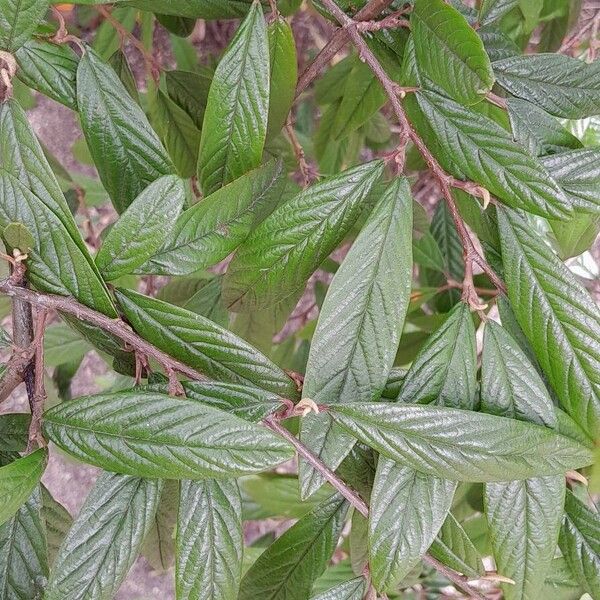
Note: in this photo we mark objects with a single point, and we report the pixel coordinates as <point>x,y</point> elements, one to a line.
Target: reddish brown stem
<point>35,437</point>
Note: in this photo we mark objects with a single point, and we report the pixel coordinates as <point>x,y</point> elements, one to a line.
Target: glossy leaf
<point>190,91</point>
<point>105,539</point>
<point>155,435</point>
<point>558,317</point>
<point>408,508</point>
<point>209,540</point>
<point>279,256</point>
<point>142,229</point>
<point>460,445</point>
<point>23,553</point>
<point>18,480</point>
<point>444,371</point>
<point>288,568</point>
<point>575,236</point>
<point>483,151</point>
<point>50,69</point>
<point>578,174</point>
<point>350,590</point>
<point>159,543</point>
<point>449,51</point>
<point>359,327</point>
<point>177,131</point>
<point>580,543</point>
<point>210,230</point>
<point>202,344</point>
<point>563,86</point>
<point>235,122</point>
<point>14,431</point>
<point>453,548</point>
<point>125,149</point>
<point>18,20</point>
<point>283,74</point>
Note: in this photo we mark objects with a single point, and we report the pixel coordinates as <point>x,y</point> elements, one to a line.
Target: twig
<point>299,153</point>
<point>35,436</point>
<point>470,253</point>
<point>117,327</point>
<point>392,22</point>
<point>152,64</point>
<point>497,100</point>
<point>460,581</point>
<point>336,43</point>
<point>15,370</point>
<point>62,36</point>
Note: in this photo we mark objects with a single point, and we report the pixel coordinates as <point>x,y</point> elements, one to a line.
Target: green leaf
<point>125,149</point>
<point>359,327</point>
<point>58,522</point>
<point>288,568</point>
<point>207,302</point>
<point>563,86</point>
<point>235,122</point>
<point>190,91</point>
<point>105,538</point>
<point>209,540</point>
<point>561,583</point>
<point>279,256</point>
<point>18,20</point>
<point>577,172</point>
<point>449,51</point>
<point>408,508</point>
<point>202,344</point>
<point>210,230</point>
<point>118,61</point>
<point>575,236</point>
<point>350,590</point>
<point>539,132</point>
<point>580,543</point>
<point>17,481</point>
<point>330,87</point>
<point>202,9</point>
<point>444,371</point>
<point>155,435</point>
<point>249,403</point>
<point>63,345</point>
<point>274,495</point>
<point>283,74</point>
<point>177,131</point>
<point>180,26</point>
<point>454,548</point>
<point>159,543</point>
<point>460,445</point>
<point>558,317</point>
<point>50,69</point>
<point>14,431</point>
<point>142,229</point>
<point>107,39</point>
<point>484,152</point>
<point>23,553</point>
<point>493,10</point>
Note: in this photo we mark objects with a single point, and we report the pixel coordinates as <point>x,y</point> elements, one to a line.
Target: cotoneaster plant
<point>341,285</point>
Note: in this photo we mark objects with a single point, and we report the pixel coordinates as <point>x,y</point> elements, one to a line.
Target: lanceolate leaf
<point>58,522</point>
<point>210,230</point>
<point>17,481</point>
<point>23,554</point>
<point>105,538</point>
<point>580,543</point>
<point>209,540</point>
<point>277,259</point>
<point>449,51</point>
<point>563,86</point>
<point>444,372</point>
<point>460,445</point>
<point>159,543</point>
<point>235,122</point>
<point>486,153</point>
<point>454,548</point>
<point>287,569</point>
<point>408,508</point>
<point>18,20</point>
<point>284,73</point>
<point>359,326</point>
<point>557,315</point>
<point>50,69</point>
<point>202,344</point>
<point>577,172</point>
<point>350,590</point>
<point>142,229</point>
<point>155,435</point>
<point>125,149</point>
